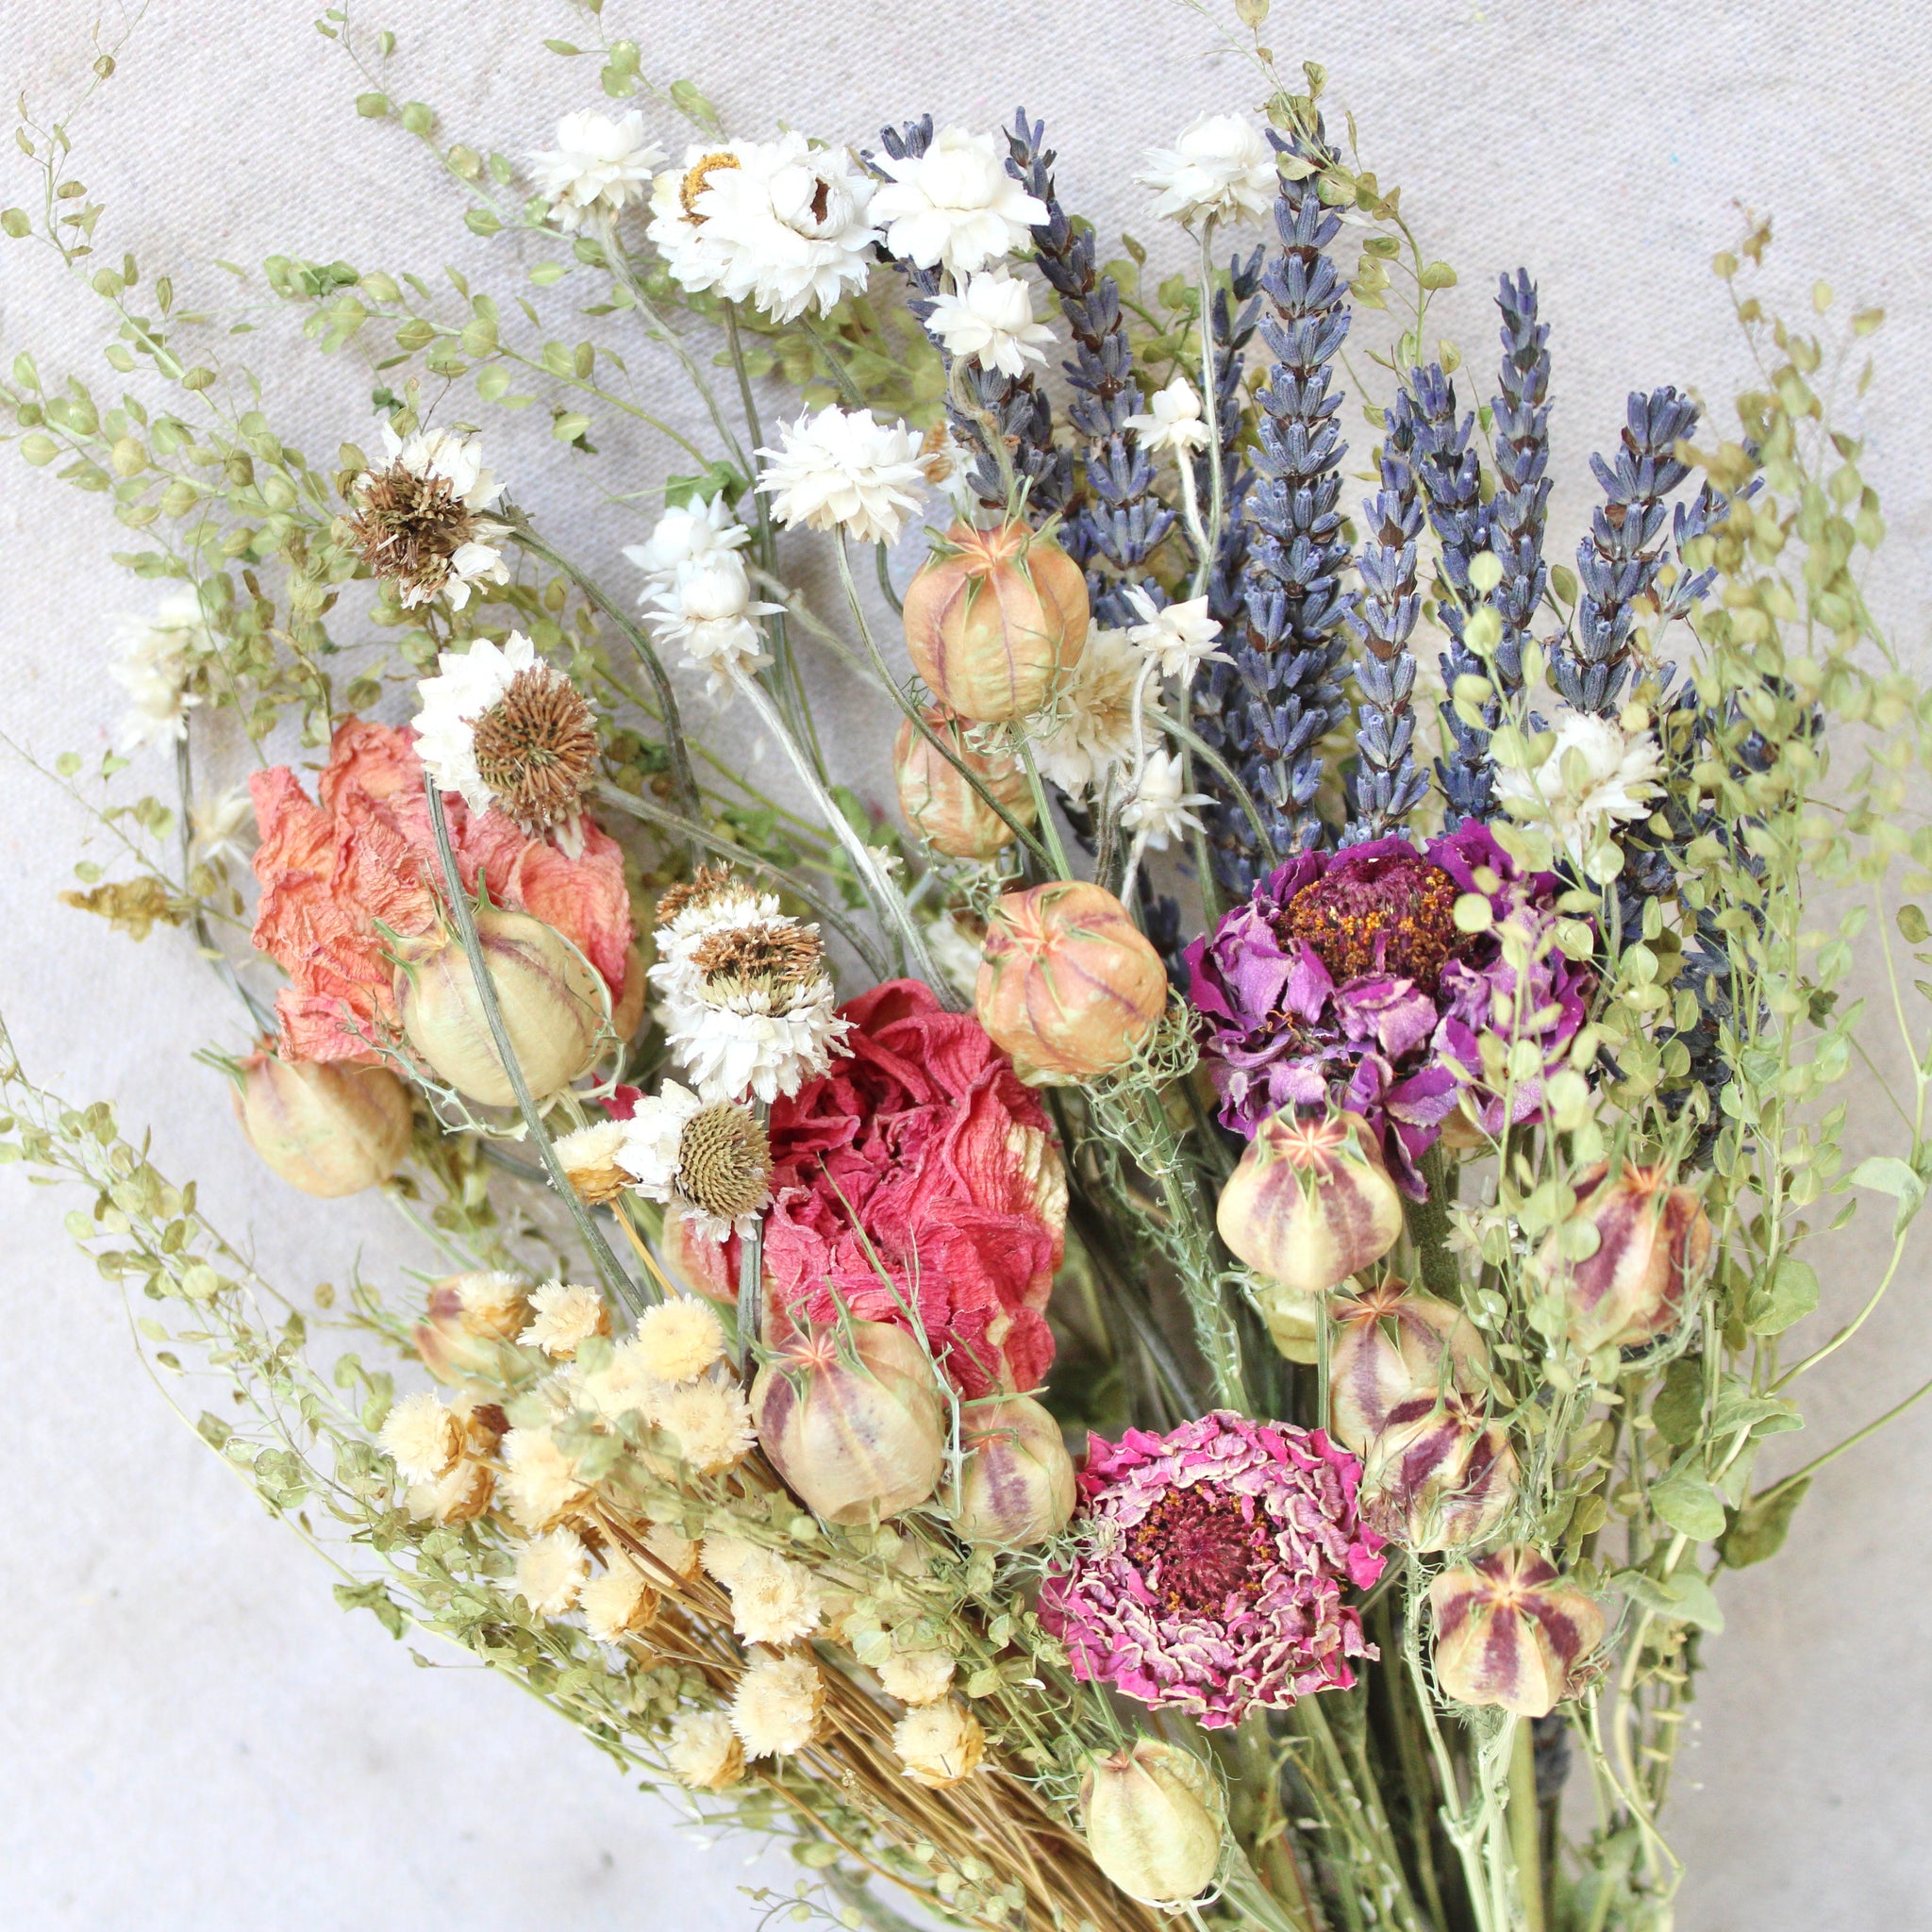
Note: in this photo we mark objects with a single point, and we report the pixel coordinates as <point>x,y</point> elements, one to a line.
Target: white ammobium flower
<point>693,532</point>
<point>703,1751</point>
<point>917,1676</point>
<point>223,827</point>
<point>565,1314</point>
<point>774,1600</point>
<point>777,1706</point>
<point>1159,809</point>
<point>1180,638</point>
<point>843,469</point>
<point>543,1480</point>
<point>422,1438</point>
<point>1221,169</point>
<point>1093,722</point>
<point>678,1340</point>
<point>711,1421</point>
<point>419,521</point>
<point>598,166</point>
<point>1172,420</point>
<point>708,612</point>
<point>551,1571</point>
<point>989,320</point>
<point>955,206</point>
<point>619,1601</point>
<point>1597,776</point>
<point>154,659</point>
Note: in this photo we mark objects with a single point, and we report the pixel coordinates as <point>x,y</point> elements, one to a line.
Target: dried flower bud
<point>941,807</point>
<point>1016,1486</point>
<point>1438,1476</point>
<point>1068,984</point>
<point>1153,1822</point>
<point>1511,1631</point>
<point>939,1745</point>
<point>588,1159</point>
<point>849,1418</point>
<point>1390,1341</point>
<point>1309,1204</point>
<point>1653,1249</point>
<point>993,617</point>
<point>326,1128</point>
<point>468,1324</point>
<point>550,999</point>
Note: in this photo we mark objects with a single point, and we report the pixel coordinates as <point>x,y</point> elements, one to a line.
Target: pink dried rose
<point>1213,1565</point>
<point>363,856</point>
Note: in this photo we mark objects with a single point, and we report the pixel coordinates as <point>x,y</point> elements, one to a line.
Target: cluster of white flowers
<point>155,659</point>
<point>955,206</point>
<point>1221,169</point>
<point>597,167</point>
<point>1178,638</point>
<point>844,470</point>
<point>697,591</point>
<point>1600,773</point>
<point>1091,730</point>
<point>989,320</point>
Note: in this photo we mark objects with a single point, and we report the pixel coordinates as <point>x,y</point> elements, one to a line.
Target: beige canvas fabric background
<point>191,1733</point>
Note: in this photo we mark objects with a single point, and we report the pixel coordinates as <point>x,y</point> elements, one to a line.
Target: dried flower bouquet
<point>1182,1334</point>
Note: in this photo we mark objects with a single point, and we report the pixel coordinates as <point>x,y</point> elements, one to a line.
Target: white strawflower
<point>940,1744</point>
<point>224,826</point>
<point>551,1571</point>
<point>1173,420</point>
<point>778,1707</point>
<point>623,1386</point>
<point>712,1423</point>
<point>990,322</point>
<point>542,1481</point>
<point>154,659</point>
<point>589,1159</point>
<point>693,532</point>
<point>843,469</point>
<point>598,166</point>
<point>786,228</point>
<point>1597,774</point>
<point>723,1556</point>
<point>563,1315</point>
<point>707,611</point>
<point>1222,168</point>
<point>618,1601</point>
<point>419,521</point>
<point>1159,809</point>
<point>494,1303</point>
<point>1093,722</point>
<point>917,1676</point>
<point>678,1340</point>
<point>955,206</point>
<point>680,230</point>
<point>461,1496</point>
<point>774,1600</point>
<point>422,1438</point>
<point>704,1752</point>
<point>1179,638</point>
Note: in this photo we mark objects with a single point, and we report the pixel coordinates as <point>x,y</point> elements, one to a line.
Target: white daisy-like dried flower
<point>623,1386</point>
<point>649,1150</point>
<point>1221,169</point>
<point>705,1754</point>
<point>774,1600</point>
<point>1179,638</point>
<point>1595,776</point>
<point>597,167</point>
<point>778,1706</point>
<point>939,1745</point>
<point>419,521</point>
<point>693,532</point>
<point>723,1555</point>
<point>422,1438</point>
<point>679,230</point>
<point>155,659</point>
<point>588,1159</point>
<point>712,1423</point>
<point>707,611</point>
<point>1173,420</point>
<point>990,322</point>
<point>678,1340</point>
<point>564,1314</point>
<point>955,206</point>
<point>713,901</point>
<point>1159,812</point>
<point>674,1549</point>
<point>917,1676</point>
<point>551,1572</point>
<point>223,827</point>
<point>494,1303</point>
<point>462,1496</point>
<point>542,1482</point>
<point>619,1601</point>
<point>1092,725</point>
<point>844,470</point>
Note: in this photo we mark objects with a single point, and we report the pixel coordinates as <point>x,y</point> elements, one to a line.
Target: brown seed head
<point>760,958</point>
<point>536,747</point>
<point>724,1161</point>
<point>711,882</point>
<point>407,528</point>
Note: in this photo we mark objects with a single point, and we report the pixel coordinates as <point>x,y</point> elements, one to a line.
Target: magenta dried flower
<point>1214,1561</point>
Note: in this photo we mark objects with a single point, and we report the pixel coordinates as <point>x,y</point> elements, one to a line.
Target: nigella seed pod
<point>1068,984</point>
<point>1511,1631</point>
<point>325,1126</point>
<point>1154,1821</point>
<point>1390,1343</point>
<point>1437,1477</point>
<point>1016,1486</point>
<point>993,617</point>
<point>548,996</point>
<point>1653,1250</point>
<point>939,803</point>
<point>849,1418</point>
<point>1311,1203</point>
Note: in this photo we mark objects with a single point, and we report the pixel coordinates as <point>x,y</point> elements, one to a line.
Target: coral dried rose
<point>939,802</point>
<point>1511,1631</point>
<point>329,1130</point>
<point>1653,1249</point>
<point>1390,1341</point>
<point>1067,983</point>
<point>993,617</point>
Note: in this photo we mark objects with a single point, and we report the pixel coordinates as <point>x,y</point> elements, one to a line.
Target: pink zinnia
<point>1214,1562</point>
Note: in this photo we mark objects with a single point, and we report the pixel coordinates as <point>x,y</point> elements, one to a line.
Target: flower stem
<point>1056,852</point>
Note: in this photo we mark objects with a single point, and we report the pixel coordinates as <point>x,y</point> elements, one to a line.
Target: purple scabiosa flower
<point>1343,977</point>
<point>1214,1561</point>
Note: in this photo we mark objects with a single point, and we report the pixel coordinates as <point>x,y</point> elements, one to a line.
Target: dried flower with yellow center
<point>697,179</point>
<point>939,1745</point>
<point>536,749</point>
<point>724,1161</point>
<point>588,1159</point>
